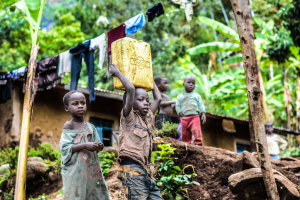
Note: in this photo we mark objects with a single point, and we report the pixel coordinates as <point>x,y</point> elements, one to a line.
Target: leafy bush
<point>169,130</point>
<point>294,152</point>
<point>46,151</point>
<point>171,178</point>
<point>9,156</point>
<point>106,161</point>
<point>7,178</point>
<point>41,197</point>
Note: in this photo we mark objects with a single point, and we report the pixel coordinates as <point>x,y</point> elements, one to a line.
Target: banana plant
<point>33,10</point>
<point>234,46</point>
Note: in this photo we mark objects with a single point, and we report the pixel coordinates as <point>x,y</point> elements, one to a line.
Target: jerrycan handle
<point>138,41</point>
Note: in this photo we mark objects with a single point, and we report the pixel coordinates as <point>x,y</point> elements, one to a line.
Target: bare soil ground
<point>213,166</point>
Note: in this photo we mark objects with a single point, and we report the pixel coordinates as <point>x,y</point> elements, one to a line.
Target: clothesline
<point>49,71</point>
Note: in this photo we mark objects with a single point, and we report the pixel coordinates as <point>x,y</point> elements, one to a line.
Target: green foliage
<point>292,20</point>
<point>169,130</point>
<point>171,178</point>
<point>225,30</point>
<point>279,46</point>
<point>214,46</point>
<point>106,161</point>
<point>41,197</point>
<point>8,196</point>
<point>9,156</point>
<point>294,152</point>
<point>33,9</point>
<point>48,153</point>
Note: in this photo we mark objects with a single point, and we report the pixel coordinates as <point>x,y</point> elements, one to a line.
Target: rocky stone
<point>52,176</point>
<point>35,168</point>
<point>205,195</point>
<point>249,185</point>
<point>34,159</point>
<point>249,160</point>
<point>4,169</point>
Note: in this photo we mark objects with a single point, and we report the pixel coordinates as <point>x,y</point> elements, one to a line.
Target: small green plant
<point>9,196</point>
<point>49,154</point>
<point>60,192</point>
<point>171,178</point>
<point>41,197</point>
<point>169,130</point>
<point>106,161</point>
<point>294,152</point>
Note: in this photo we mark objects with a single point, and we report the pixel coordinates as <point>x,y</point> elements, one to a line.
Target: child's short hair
<point>68,95</point>
<point>158,79</point>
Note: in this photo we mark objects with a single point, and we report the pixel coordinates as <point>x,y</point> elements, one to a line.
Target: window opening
<point>104,129</point>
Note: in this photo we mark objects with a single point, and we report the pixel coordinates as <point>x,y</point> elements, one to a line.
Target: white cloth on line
<point>99,42</point>
<point>64,63</point>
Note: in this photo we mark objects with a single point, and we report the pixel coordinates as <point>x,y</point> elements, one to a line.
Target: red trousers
<point>191,125</point>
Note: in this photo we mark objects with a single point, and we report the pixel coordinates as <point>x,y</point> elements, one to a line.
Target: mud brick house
<point>49,117</point>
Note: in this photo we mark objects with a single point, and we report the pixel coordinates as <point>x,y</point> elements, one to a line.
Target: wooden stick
<point>20,193</point>
<point>255,102</point>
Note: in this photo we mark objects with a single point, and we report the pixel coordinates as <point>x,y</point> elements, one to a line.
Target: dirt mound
<point>215,165</point>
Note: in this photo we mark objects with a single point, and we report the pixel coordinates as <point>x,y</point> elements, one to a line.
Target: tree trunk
<point>202,66</point>
<point>255,102</point>
<point>216,39</point>
<point>251,132</point>
<point>286,102</point>
<point>20,193</point>
<point>244,6</point>
<point>271,75</point>
<point>298,109</point>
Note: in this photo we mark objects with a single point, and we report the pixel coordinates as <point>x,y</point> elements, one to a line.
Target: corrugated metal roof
<point>119,96</point>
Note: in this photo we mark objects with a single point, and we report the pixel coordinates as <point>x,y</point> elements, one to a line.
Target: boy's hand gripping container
<point>134,61</point>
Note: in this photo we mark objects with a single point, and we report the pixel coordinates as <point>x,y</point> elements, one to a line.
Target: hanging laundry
<point>156,11</point>
<point>135,23</point>
<point>5,88</point>
<point>15,74</point>
<point>64,63</point>
<point>47,74</point>
<point>5,75</point>
<point>188,6</point>
<point>79,51</point>
<point>99,42</point>
<point>113,35</point>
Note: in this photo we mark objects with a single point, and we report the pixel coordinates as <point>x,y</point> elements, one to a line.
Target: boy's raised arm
<point>157,99</point>
<point>115,71</point>
<point>167,103</point>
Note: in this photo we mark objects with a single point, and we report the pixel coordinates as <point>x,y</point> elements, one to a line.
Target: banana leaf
<point>33,10</point>
<point>214,46</point>
<point>234,59</point>
<point>222,28</point>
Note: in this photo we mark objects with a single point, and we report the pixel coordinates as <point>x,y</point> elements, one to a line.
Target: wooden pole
<point>20,193</point>
<point>255,102</point>
<point>245,8</point>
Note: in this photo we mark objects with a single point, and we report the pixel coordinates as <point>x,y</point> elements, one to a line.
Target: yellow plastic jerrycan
<point>134,61</point>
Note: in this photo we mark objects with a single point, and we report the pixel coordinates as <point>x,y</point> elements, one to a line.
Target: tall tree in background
<point>255,102</point>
